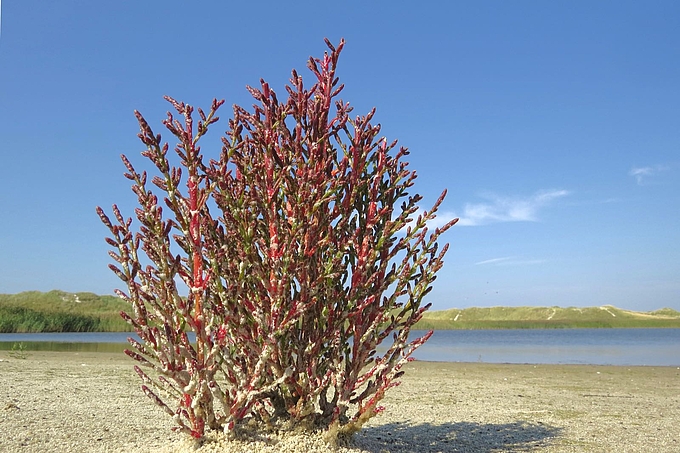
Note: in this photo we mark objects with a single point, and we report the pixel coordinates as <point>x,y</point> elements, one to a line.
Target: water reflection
<point>59,346</point>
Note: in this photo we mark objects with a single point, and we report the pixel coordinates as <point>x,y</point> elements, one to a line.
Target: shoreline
<point>91,401</point>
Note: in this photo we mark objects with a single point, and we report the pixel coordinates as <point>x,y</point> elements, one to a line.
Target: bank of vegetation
<point>59,311</point>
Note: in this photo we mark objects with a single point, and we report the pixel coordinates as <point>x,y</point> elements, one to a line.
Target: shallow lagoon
<point>653,347</point>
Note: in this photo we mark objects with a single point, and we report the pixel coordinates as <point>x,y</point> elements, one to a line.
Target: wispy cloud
<point>508,209</point>
<point>594,202</point>
<point>642,174</point>
<point>493,261</point>
<point>509,261</point>
<point>442,219</point>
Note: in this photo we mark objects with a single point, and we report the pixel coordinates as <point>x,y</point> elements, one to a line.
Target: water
<point>655,347</point>
<point>67,342</point>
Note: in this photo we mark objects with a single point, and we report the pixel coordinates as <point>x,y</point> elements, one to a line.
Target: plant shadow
<point>455,437</point>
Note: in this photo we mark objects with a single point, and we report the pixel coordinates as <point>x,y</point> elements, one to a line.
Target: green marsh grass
<point>59,311</point>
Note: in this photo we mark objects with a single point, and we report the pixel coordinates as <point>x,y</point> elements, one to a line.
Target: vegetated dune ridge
<point>547,317</point>
<point>59,311</point>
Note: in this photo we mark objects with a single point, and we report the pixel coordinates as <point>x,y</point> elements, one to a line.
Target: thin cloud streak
<point>594,202</point>
<point>506,209</point>
<point>493,261</point>
<point>509,261</point>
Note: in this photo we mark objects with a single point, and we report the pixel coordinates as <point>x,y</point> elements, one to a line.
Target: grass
<point>59,311</point>
<point>18,351</point>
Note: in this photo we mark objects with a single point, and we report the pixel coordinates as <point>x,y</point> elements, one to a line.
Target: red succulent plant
<point>298,251</point>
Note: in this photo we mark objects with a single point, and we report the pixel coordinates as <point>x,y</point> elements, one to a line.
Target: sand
<point>91,402</point>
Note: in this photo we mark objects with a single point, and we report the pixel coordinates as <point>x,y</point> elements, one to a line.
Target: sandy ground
<point>91,402</point>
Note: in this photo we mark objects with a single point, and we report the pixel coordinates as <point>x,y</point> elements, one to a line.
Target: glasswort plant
<point>301,252</point>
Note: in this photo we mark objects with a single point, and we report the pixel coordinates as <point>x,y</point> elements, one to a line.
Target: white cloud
<point>509,261</point>
<point>641,174</point>
<point>442,219</point>
<point>508,209</point>
<point>595,202</point>
<point>493,261</point>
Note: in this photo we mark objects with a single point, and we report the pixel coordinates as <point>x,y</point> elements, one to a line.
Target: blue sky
<point>554,126</point>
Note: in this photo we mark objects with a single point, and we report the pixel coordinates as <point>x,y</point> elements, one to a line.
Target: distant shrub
<point>301,253</point>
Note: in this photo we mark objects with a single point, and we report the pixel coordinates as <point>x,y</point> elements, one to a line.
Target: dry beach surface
<point>91,402</point>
